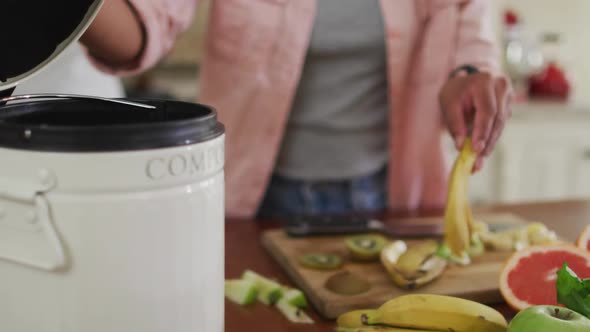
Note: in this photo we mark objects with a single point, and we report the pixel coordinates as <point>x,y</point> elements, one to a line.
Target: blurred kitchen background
<point>544,153</point>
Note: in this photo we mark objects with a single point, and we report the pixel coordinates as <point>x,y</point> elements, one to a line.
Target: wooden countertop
<point>244,251</point>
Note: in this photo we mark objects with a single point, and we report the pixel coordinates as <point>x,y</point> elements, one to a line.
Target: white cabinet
<point>580,181</point>
<point>544,154</point>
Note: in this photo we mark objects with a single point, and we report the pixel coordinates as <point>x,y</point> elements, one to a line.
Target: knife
<point>323,225</point>
<point>431,227</point>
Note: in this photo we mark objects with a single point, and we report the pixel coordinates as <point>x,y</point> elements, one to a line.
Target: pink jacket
<point>254,56</point>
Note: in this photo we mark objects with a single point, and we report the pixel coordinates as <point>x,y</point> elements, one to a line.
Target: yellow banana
<point>477,247</point>
<point>376,329</point>
<point>459,223</point>
<point>436,313</point>
<point>353,318</point>
<point>351,322</point>
<point>470,220</point>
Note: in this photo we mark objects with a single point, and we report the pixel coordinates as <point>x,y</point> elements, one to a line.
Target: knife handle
<point>322,225</point>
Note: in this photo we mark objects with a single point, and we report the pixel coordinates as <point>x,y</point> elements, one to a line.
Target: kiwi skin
<point>366,248</point>
<point>321,261</point>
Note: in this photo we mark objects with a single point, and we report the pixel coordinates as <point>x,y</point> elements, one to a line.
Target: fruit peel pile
<point>409,267</point>
<point>414,267</point>
<point>465,239</point>
<point>253,286</point>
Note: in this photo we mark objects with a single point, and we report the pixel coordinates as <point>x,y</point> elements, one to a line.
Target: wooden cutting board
<point>478,281</point>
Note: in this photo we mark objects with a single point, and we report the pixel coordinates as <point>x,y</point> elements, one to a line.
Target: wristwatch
<point>469,69</point>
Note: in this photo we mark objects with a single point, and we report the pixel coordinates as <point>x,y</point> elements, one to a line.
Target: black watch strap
<point>469,69</point>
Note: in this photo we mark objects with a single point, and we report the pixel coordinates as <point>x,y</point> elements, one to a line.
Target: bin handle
<point>32,222</point>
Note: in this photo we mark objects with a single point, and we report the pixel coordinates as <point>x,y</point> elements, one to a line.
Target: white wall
<point>570,18</point>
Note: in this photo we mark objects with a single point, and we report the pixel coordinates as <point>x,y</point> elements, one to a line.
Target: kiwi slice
<point>366,247</point>
<point>321,261</point>
<point>347,283</point>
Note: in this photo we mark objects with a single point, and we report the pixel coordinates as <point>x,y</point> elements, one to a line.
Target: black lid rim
<point>58,128</point>
<point>32,126</point>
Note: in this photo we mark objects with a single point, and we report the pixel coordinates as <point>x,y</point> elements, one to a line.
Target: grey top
<point>339,121</point>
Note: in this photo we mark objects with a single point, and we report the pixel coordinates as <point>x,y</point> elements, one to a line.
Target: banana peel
<point>539,234</point>
<point>459,222</point>
<point>519,238</point>
<point>414,267</point>
<point>412,259</point>
<point>466,237</point>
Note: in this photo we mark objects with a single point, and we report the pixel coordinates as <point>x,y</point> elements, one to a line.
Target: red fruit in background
<point>510,18</point>
<point>550,83</point>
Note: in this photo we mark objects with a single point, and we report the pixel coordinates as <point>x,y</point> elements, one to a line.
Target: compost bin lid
<point>36,32</point>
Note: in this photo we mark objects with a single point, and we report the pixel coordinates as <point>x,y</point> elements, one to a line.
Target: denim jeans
<point>287,197</point>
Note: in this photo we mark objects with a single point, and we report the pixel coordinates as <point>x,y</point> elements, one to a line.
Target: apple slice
<point>269,291</point>
<point>293,314</point>
<point>242,292</point>
<point>295,297</point>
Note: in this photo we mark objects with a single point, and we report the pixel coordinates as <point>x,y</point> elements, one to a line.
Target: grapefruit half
<point>584,239</point>
<point>529,276</point>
